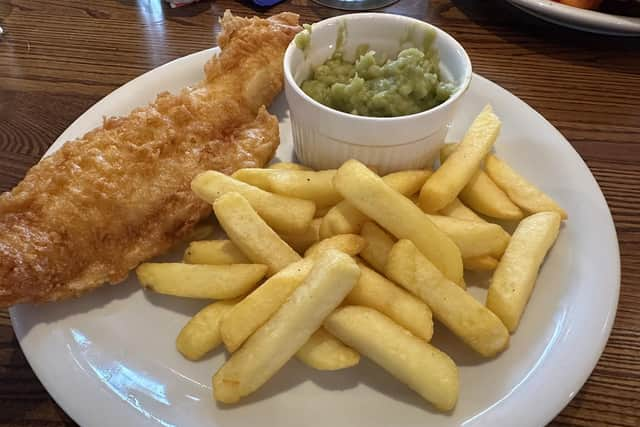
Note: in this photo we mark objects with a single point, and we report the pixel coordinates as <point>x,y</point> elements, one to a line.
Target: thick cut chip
<point>471,321</point>
<point>376,291</point>
<point>325,352</point>
<point>446,183</point>
<point>303,241</point>
<point>251,234</point>
<point>522,192</point>
<point>425,369</point>
<point>289,166</point>
<point>379,244</point>
<point>483,195</point>
<point>257,307</point>
<point>397,214</point>
<point>516,274</point>
<point>457,209</point>
<point>200,281</point>
<point>274,343</point>
<point>308,185</point>
<point>344,218</point>
<point>351,244</point>
<point>202,333</point>
<point>215,252</point>
<point>480,263</point>
<point>282,213</point>
<point>473,238</point>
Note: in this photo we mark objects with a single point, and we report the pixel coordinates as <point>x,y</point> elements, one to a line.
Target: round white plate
<point>109,357</point>
<point>580,19</point>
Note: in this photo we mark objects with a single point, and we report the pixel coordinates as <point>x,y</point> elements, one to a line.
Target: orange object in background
<point>582,4</point>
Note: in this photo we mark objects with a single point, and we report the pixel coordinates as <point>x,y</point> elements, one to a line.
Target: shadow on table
<point>578,47</point>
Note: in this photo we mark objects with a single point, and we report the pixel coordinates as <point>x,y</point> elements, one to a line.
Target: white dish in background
<point>325,138</point>
<point>580,19</point>
<point>109,358</point>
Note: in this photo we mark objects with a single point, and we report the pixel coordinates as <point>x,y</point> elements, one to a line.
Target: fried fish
<point>103,203</point>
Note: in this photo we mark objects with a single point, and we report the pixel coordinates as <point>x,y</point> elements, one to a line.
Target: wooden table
<point>59,58</point>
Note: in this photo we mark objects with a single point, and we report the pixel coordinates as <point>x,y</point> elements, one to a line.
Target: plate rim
<point>613,309</point>
<point>65,400</point>
<point>580,19</point>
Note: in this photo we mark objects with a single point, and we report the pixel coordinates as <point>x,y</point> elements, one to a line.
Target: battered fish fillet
<point>119,195</point>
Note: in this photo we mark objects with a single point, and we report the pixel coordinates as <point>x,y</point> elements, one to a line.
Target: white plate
<point>580,19</point>
<point>109,359</point>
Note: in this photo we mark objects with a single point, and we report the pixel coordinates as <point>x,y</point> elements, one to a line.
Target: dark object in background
<point>621,7</point>
<point>355,4</point>
<point>265,3</point>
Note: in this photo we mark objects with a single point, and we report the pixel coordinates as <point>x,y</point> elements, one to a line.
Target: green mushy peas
<point>409,84</point>
<point>303,38</point>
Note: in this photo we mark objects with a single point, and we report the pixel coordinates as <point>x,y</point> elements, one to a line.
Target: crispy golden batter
<point>119,195</point>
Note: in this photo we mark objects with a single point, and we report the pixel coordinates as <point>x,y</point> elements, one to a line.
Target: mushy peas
<point>410,83</point>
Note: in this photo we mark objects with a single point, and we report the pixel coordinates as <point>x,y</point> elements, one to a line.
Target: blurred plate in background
<point>580,19</point>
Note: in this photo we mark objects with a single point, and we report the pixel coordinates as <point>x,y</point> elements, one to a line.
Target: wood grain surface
<point>57,58</point>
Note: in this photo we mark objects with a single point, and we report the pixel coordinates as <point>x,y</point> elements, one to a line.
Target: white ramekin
<point>325,138</point>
